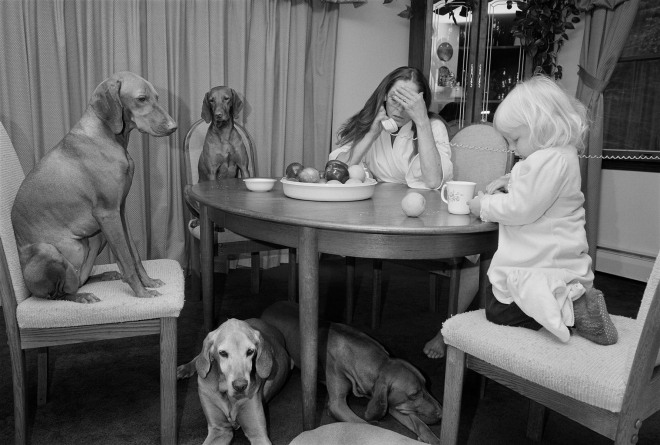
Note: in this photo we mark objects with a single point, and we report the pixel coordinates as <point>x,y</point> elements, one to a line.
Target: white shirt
<point>542,262</point>
<point>397,162</point>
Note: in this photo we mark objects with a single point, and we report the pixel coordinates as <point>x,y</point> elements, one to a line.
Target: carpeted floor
<point>108,392</point>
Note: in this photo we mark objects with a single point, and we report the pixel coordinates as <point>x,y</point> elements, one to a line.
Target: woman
<point>416,154</point>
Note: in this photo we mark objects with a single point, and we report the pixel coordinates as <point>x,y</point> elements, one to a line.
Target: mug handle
<point>443,193</point>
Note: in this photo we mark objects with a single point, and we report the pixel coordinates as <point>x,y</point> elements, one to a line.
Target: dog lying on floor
<point>224,153</point>
<point>242,365</point>
<point>353,361</point>
<point>72,202</point>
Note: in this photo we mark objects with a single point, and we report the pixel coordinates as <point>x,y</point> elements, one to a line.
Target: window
<point>632,97</point>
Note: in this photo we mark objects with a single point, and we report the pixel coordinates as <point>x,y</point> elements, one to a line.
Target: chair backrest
<point>11,177</point>
<point>194,143</point>
<point>480,154</point>
<point>645,357</point>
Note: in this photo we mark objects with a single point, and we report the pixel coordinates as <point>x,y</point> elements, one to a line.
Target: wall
<point>371,41</point>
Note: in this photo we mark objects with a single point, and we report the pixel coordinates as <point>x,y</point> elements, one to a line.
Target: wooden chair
<point>36,323</point>
<point>479,154</point>
<point>608,389</point>
<point>229,245</point>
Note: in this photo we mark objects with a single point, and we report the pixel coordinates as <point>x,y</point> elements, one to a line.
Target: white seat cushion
<point>588,372</point>
<point>118,301</point>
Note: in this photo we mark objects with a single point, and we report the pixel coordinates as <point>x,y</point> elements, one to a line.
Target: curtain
<point>279,55</point>
<point>607,24</point>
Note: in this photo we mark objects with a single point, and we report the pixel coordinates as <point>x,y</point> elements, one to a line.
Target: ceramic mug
<point>456,194</point>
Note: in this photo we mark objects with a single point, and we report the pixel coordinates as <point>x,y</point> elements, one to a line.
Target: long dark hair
<point>357,126</point>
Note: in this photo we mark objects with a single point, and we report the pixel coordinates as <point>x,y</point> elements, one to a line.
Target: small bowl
<point>259,184</point>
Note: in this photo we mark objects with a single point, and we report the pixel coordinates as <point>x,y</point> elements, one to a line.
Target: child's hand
<point>499,185</point>
<point>475,204</point>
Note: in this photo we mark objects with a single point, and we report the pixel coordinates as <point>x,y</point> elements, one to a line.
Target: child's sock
<point>592,321</point>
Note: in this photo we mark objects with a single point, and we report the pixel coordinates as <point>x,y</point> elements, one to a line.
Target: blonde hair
<point>554,118</point>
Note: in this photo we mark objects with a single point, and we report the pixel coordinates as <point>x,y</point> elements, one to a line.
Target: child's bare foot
<point>435,348</point>
<point>592,320</point>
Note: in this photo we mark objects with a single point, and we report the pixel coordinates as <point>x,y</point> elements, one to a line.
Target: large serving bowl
<point>259,184</point>
<point>311,191</point>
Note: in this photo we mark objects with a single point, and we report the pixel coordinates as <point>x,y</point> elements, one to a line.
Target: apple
<point>293,170</point>
<point>309,174</point>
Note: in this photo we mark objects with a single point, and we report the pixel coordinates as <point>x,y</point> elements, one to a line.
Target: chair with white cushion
<point>608,389</point>
<point>37,323</point>
<point>229,245</point>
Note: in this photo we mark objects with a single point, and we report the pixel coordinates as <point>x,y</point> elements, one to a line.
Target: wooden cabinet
<point>468,54</point>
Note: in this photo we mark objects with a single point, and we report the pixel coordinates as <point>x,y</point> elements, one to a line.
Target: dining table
<point>374,228</point>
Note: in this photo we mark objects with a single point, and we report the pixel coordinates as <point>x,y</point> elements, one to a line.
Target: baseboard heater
<point>631,265</point>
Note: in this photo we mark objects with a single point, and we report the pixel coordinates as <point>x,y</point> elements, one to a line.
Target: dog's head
<point>243,356</point>
<point>402,387</point>
<point>125,101</point>
<point>221,105</point>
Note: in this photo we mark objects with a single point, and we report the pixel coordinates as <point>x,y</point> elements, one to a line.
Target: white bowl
<point>259,184</point>
<point>312,191</point>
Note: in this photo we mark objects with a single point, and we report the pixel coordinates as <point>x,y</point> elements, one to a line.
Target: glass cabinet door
<point>504,57</point>
<point>450,76</point>
<point>474,59</point>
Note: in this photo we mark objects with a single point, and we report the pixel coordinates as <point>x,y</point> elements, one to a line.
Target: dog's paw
<point>152,282</point>
<point>148,293</point>
<point>110,276</point>
<point>85,298</point>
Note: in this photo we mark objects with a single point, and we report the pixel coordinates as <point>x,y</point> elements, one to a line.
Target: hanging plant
<point>541,26</point>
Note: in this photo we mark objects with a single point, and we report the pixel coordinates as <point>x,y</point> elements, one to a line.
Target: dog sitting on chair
<point>353,361</point>
<point>224,154</point>
<point>72,202</point>
<point>243,364</point>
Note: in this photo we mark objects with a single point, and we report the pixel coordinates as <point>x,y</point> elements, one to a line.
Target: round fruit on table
<point>338,170</point>
<point>357,172</point>
<point>413,204</point>
<point>309,174</point>
<point>293,170</point>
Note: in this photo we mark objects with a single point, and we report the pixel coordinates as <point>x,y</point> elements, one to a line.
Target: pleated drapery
<point>279,55</point>
<point>607,25</point>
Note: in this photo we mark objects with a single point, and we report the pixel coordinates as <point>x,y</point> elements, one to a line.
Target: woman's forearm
<point>360,149</point>
<point>430,160</point>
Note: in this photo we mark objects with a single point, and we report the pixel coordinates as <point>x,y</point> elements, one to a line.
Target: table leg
<point>484,283</point>
<point>309,321</point>
<point>206,266</point>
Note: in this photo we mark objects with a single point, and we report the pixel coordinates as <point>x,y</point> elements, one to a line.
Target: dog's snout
<point>172,126</point>
<point>239,385</point>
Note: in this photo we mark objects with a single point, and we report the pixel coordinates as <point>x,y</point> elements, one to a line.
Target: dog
<point>224,154</point>
<point>72,203</point>
<point>355,362</point>
<point>242,365</point>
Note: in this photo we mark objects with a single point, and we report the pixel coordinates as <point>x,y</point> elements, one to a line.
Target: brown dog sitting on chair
<point>224,154</point>
<point>72,202</point>
<point>354,362</point>
<point>243,364</point>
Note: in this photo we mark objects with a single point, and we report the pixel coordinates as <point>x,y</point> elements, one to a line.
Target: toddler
<point>541,273</point>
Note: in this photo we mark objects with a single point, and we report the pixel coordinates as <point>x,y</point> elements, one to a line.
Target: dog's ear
<point>414,370</point>
<point>264,361</point>
<point>237,103</point>
<point>377,406</point>
<point>48,272</point>
<point>204,359</point>
<point>207,112</point>
<point>107,105</point>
